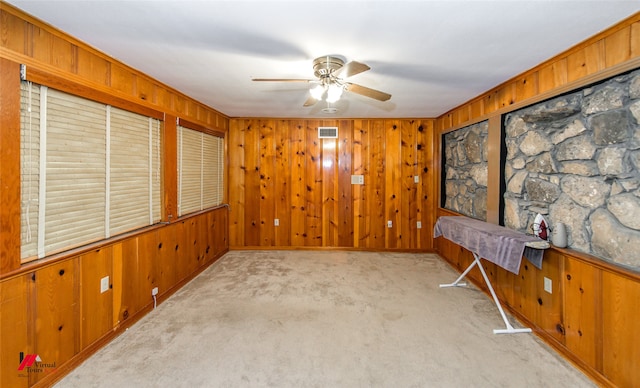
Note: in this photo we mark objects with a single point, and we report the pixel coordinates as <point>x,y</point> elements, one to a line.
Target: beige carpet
<point>324,319</point>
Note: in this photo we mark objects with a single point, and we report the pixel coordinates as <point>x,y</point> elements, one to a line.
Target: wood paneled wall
<point>58,312</point>
<point>280,169</point>
<point>592,314</point>
<point>53,307</point>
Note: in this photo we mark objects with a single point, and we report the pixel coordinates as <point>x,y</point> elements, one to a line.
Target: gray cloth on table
<point>497,244</point>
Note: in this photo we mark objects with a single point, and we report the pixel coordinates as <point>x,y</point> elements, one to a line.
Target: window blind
<point>75,173</point>
<point>133,171</point>
<point>29,167</point>
<point>88,171</point>
<point>200,170</point>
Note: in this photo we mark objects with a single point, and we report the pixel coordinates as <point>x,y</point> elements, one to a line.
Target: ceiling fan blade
<point>351,68</point>
<point>367,92</point>
<point>310,101</point>
<point>282,80</point>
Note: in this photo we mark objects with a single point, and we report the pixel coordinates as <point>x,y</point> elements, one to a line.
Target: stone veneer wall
<point>465,167</point>
<point>575,159</point>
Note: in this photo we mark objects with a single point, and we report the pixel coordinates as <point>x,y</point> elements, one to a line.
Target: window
<point>200,167</point>
<point>88,171</point>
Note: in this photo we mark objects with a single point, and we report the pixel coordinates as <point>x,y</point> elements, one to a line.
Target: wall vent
<point>328,132</point>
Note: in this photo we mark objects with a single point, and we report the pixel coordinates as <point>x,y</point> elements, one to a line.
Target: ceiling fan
<point>330,72</point>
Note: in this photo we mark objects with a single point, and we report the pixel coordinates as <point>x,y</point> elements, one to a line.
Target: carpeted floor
<point>324,319</point>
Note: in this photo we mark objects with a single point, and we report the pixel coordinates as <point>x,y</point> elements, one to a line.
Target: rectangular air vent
<point>328,132</point>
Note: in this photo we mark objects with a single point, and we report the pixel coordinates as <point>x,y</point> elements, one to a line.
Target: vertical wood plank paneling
<point>313,193</point>
<point>423,142</point>
<point>635,39</point>
<point>490,103</point>
<point>148,267</point>
<point>145,89</point>
<point>167,264</point>
<point>306,183</point>
<point>96,311</point>
<point>14,322</point>
<point>582,299</point>
<point>92,67</point>
<point>393,183</point>
<point>345,191</point>
<point>164,97</point>
<point>617,47</point>
<point>56,313</point>
<point>329,190</point>
<point>524,290</point>
<point>9,166</point>
<point>552,75</point>
<point>408,170</point>
<point>283,183</point>
<point>189,253</point>
<point>252,183</point>
<point>170,168</point>
<point>549,310</point>
<point>360,160</point>
<point>298,212</point>
<point>49,48</point>
<point>527,87</point>
<point>180,105</point>
<point>13,32</point>
<point>586,61</point>
<point>267,183</point>
<point>477,108</point>
<point>236,173</point>
<point>126,282</point>
<point>376,224</point>
<point>506,95</point>
<point>428,179</point>
<point>620,334</point>
<point>122,80</point>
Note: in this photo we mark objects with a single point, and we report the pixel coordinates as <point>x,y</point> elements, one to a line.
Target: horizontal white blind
<point>76,171</point>
<point>29,167</point>
<point>88,171</point>
<point>156,131</point>
<point>220,173</point>
<point>129,170</point>
<point>190,169</point>
<point>210,171</point>
<point>200,170</point>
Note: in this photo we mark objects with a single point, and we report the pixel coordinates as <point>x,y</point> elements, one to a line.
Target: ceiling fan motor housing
<point>323,67</point>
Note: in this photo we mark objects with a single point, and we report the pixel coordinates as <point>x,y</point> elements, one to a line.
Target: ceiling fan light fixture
<point>334,93</point>
<point>317,92</point>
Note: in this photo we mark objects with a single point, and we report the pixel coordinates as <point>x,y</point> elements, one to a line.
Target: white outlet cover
<point>416,179</point>
<point>104,284</point>
<point>357,179</point>
<point>548,285</point>
<point>276,222</point>
<point>389,224</point>
<point>419,225</point>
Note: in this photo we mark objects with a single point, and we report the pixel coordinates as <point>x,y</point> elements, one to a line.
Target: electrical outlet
<point>104,284</point>
<point>357,179</point>
<point>548,285</point>
<point>389,224</point>
<point>276,222</point>
<point>416,179</point>
<point>154,291</point>
<point>419,225</point>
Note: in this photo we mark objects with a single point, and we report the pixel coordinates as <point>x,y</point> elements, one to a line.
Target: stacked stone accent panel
<point>466,169</point>
<point>576,159</point>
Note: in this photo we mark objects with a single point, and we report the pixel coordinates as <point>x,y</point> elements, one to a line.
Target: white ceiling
<point>430,55</point>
